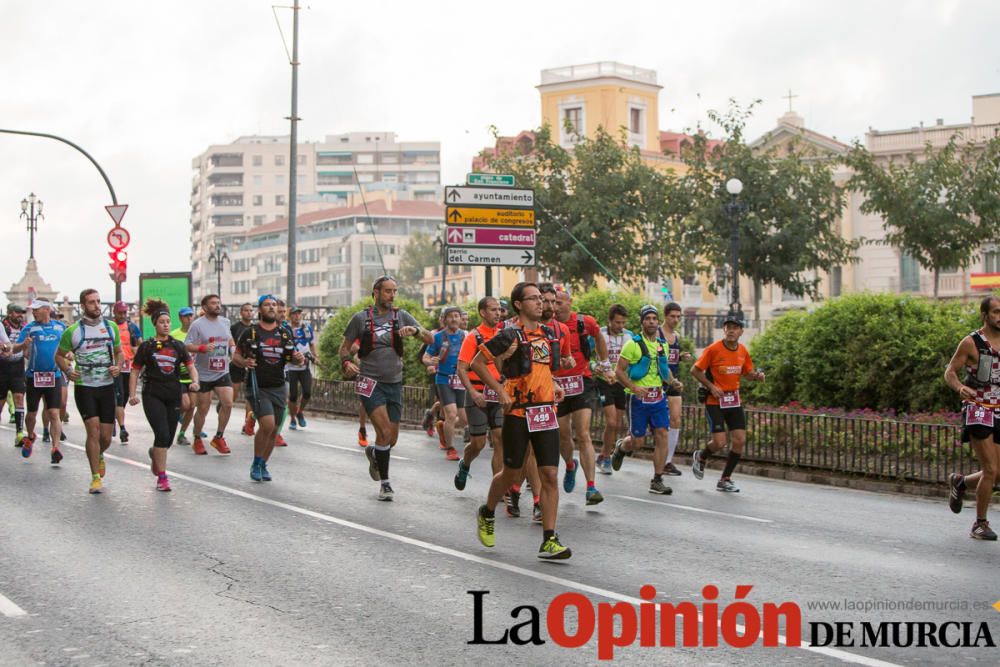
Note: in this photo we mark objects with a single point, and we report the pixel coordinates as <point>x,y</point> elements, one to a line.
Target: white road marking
<point>472,558</point>
<point>692,509</point>
<point>9,609</point>
<point>354,450</point>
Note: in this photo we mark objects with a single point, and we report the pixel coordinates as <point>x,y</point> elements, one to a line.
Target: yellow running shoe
<point>95,484</point>
<point>486,527</point>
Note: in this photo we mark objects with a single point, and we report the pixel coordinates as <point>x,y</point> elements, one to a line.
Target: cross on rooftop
<point>789,97</point>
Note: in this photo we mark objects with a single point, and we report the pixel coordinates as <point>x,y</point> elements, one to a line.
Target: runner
<point>643,370</point>
<point>38,341</point>
<point>380,328</point>
<point>979,355</point>
<point>238,374</point>
<point>433,416</point>
<point>209,340</point>
<point>12,371</point>
<point>578,385</point>
<point>186,316</point>
<point>264,349</point>
<point>300,376</point>
<point>612,394</point>
<point>159,361</point>
<point>483,409</point>
<point>64,413</point>
<point>527,355</point>
<point>504,310</point>
<point>282,312</point>
<point>63,393</point>
<point>719,370</point>
<point>668,332</point>
<point>443,353</point>
<point>97,361</point>
<point>130,336</point>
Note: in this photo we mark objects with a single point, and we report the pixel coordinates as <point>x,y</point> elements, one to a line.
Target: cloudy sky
<point>147,86</point>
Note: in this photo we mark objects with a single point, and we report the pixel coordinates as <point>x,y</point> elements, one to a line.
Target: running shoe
<point>536,513</point>
<point>618,456</point>
<point>672,470</point>
<point>385,493</point>
<point>182,440</point>
<point>657,486</point>
<point>248,426</point>
<point>265,474</point>
<point>152,465</point>
<point>301,419</point>
<point>95,485</point>
<point>604,465</point>
<point>462,476</point>
<point>551,549</point>
<point>428,423</point>
<point>279,441</point>
<point>594,496</point>
<point>981,531</point>
<point>219,443</point>
<point>163,483</point>
<point>27,443</point>
<point>65,418</point>
<point>255,471</point>
<point>362,438</point>
<point>123,437</point>
<point>442,444</point>
<point>956,495</point>
<point>62,437</point>
<point>372,464</point>
<point>725,484</point>
<point>199,447</point>
<point>45,435</point>
<point>485,526</point>
<point>512,503</point>
<point>18,437</point>
<point>697,465</point>
<point>56,457</point>
<point>102,467</point>
<point>569,478</point>
<point>451,454</point>
<point>293,425</point>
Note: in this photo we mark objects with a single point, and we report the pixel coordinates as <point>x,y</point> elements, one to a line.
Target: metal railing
<point>886,449</point>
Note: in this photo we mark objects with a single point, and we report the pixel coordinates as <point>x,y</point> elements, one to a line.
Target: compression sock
<point>731,462</point>
<point>673,437</point>
<point>19,419</point>
<point>382,461</point>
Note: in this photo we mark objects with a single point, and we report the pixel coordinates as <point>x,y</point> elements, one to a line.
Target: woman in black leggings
<point>159,361</point>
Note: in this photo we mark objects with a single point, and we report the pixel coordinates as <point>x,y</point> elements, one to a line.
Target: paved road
<point>311,569</point>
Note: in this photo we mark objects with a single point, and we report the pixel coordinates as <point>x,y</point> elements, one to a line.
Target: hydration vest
<point>639,369</point>
<point>368,341</point>
<point>519,364</point>
<point>981,377</point>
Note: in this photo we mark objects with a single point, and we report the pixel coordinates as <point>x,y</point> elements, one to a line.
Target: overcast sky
<point>147,86</point>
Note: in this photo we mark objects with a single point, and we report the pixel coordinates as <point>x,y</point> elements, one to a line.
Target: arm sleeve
<point>705,360</point>
<point>631,352</point>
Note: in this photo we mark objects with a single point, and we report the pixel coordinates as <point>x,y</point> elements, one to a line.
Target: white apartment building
<point>243,185</point>
<point>339,254</point>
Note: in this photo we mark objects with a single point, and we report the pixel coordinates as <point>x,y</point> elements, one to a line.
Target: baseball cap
<point>265,297</point>
<point>121,307</point>
<point>185,311</point>
<point>505,304</point>
<point>733,318</point>
<point>14,308</point>
<point>40,303</point>
<point>646,310</point>
<point>295,309</point>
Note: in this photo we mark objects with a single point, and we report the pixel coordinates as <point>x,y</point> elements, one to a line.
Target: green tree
<point>927,204</point>
<point>419,253</point>
<point>792,203</point>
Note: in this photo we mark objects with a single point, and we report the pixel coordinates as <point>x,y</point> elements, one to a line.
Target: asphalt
<point>311,569</point>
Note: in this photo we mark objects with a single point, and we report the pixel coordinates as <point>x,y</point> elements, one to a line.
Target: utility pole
<point>294,157</point>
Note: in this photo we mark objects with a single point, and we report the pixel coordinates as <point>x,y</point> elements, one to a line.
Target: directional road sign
<point>495,236</point>
<point>499,217</point>
<point>117,212</point>
<point>519,257</point>
<point>503,180</point>
<point>119,238</point>
<point>495,197</point>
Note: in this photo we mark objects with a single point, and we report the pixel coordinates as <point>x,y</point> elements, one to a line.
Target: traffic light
<point>118,265</point>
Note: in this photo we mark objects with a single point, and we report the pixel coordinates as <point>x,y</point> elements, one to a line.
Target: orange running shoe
<point>451,454</point>
<point>362,438</point>
<point>279,441</point>
<point>219,443</point>
<point>442,444</point>
<point>198,447</point>
<point>102,469</point>
<point>248,425</point>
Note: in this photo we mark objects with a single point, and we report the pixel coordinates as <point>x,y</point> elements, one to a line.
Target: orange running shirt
<point>470,346</point>
<point>535,388</point>
<point>726,366</point>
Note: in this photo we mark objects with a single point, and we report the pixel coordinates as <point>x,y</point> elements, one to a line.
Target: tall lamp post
<point>31,211</point>
<point>442,245</point>
<point>735,209</point>
<point>218,257</point>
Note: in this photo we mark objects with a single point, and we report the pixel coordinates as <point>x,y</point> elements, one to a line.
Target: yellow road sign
<point>501,217</point>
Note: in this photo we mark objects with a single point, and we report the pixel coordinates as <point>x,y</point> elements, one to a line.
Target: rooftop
<point>381,209</point>
<point>599,70</point>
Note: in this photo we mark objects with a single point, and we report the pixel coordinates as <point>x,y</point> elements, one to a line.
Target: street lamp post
<point>218,257</point>
<point>31,211</point>
<point>735,209</point>
<point>442,245</point>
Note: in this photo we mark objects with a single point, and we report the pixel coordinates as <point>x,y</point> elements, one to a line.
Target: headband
<point>160,313</point>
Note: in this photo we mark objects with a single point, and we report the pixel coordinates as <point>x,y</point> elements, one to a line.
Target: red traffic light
<point>118,266</point>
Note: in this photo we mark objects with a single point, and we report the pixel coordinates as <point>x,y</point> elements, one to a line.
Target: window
<point>279,160</point>
<point>302,159</point>
<point>310,279</point>
<point>390,158</point>
<point>241,265</point>
<point>258,220</point>
<point>369,254</point>
<point>241,287</point>
<point>991,259</point>
<point>258,160</point>
<point>279,200</point>
<point>258,200</point>
<point>366,158</point>
<point>258,180</point>
<point>279,179</point>
<point>909,274</point>
<point>340,279</point>
<point>270,264</point>
<point>309,256</point>
<point>573,120</point>
<point>635,120</point>
<point>836,281</point>
<point>235,199</point>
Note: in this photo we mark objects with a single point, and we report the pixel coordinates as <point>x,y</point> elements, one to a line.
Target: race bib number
<point>455,383</point>
<point>675,356</point>
<point>490,395</point>
<point>730,399</point>
<point>977,415</point>
<point>572,386</point>
<point>653,395</point>
<point>127,366</point>
<point>217,364</point>
<point>44,380</point>
<point>541,418</point>
<point>364,386</point>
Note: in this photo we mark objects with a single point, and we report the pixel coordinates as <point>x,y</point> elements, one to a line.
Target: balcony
<point>234,180</point>
<point>233,199</point>
<point>598,70</point>
<point>226,160</point>
<point>231,220</point>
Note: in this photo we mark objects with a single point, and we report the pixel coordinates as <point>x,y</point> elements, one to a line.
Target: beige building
<point>243,185</point>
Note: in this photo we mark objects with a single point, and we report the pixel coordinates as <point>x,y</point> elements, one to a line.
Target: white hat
<point>39,303</point>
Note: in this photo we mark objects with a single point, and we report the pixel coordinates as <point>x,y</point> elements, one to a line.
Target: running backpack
<point>586,347</point>
<point>980,379</point>
<point>368,342</point>
<point>639,369</point>
<point>519,364</point>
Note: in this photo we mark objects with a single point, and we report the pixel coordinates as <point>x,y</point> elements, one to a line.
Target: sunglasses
<point>378,281</point>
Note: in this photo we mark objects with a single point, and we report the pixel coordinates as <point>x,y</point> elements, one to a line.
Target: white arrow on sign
<point>117,212</point>
<point>454,235</point>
